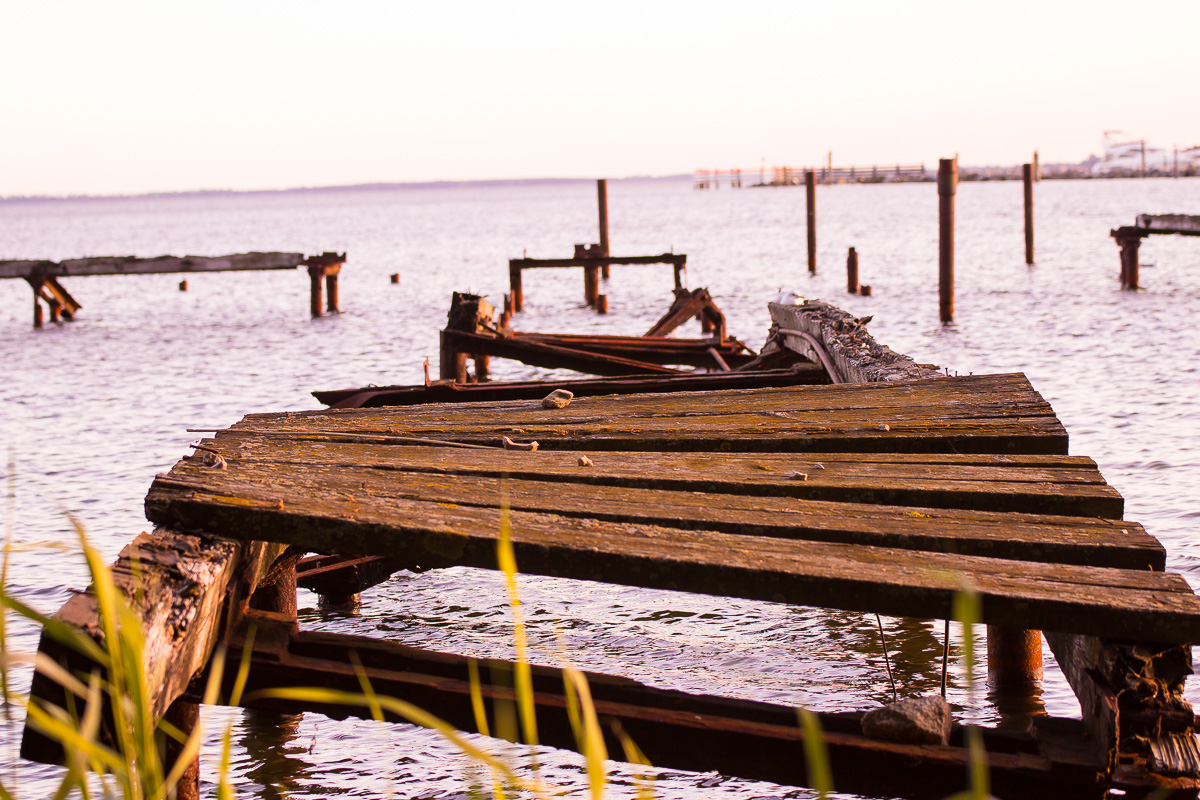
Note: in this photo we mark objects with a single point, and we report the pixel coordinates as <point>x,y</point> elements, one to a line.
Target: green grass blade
<point>816,754</point>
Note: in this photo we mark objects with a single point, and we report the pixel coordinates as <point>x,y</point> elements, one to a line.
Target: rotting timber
<point>43,276</point>
<point>884,489</point>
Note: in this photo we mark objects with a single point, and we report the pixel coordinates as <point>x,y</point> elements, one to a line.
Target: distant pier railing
<point>794,176</point>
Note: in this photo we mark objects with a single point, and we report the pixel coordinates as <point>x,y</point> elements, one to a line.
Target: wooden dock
<point>43,276</point>
<point>888,497</point>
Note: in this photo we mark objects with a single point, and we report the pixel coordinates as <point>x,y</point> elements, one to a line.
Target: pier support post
<point>1129,239</point>
<point>947,183</point>
<point>55,311</point>
<point>852,271</point>
<point>1027,177</point>
<point>810,195</point>
<point>331,288</point>
<point>1014,655</point>
<point>591,285</point>
<point>602,204</point>
<point>277,592</point>
<point>184,716</point>
<point>315,273</point>
<point>514,287</point>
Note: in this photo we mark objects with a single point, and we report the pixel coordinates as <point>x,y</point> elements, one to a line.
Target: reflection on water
<point>90,411</point>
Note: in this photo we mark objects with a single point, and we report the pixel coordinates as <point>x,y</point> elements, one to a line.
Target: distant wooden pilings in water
<point>43,276</point>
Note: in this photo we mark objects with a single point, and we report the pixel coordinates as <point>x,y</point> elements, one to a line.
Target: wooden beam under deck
<point>675,730</point>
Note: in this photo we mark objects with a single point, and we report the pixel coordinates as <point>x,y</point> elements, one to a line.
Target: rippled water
<point>90,411</point>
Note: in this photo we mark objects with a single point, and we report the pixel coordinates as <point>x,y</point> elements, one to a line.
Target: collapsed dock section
<point>885,488</point>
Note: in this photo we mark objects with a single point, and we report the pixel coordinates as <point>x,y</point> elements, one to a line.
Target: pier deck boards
<point>695,492</point>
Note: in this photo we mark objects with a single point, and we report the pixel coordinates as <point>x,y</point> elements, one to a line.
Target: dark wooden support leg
<point>852,271</point>
<point>277,593</point>
<point>55,311</point>
<point>331,291</point>
<point>483,365</point>
<point>315,274</point>
<point>679,270</point>
<point>1014,655</point>
<point>514,288</point>
<point>184,716</point>
<point>602,304</point>
<point>591,285</point>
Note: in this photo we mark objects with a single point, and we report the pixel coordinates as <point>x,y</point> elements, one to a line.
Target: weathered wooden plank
<point>444,392</point>
<point>132,265</point>
<point>1062,485</point>
<point>897,582</point>
<point>1186,224</point>
<point>675,259</point>
<point>176,584</point>
<point>968,414</point>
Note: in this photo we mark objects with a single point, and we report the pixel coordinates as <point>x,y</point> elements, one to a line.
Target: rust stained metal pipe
<point>947,183</point>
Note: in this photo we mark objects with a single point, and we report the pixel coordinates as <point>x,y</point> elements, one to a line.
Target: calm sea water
<point>90,411</point>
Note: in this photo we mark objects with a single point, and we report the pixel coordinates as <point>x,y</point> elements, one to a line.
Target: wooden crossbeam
<point>133,265</point>
<point>748,739</point>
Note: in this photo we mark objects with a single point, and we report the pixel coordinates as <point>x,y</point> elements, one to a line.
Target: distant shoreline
<point>356,187</point>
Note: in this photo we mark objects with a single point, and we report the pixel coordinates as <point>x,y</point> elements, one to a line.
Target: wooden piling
<point>810,192</point>
<point>38,320</point>
<point>331,290</point>
<point>602,204</point>
<point>947,183</point>
<point>1027,177</point>
<point>395,277</point>
<point>514,288</point>
<point>184,716</point>
<point>183,286</point>
<point>591,285</point>
<point>1129,240</point>
<point>1014,655</point>
<point>602,304</point>
<point>277,593</point>
<point>55,311</point>
<point>315,274</point>
<point>852,271</point>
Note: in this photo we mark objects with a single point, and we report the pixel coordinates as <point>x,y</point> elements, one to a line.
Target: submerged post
<point>184,716</point>
<point>602,204</point>
<point>947,182</point>
<point>1027,177</point>
<point>514,287</point>
<point>852,271</point>
<point>1014,655</point>
<point>315,274</point>
<point>1129,239</point>
<point>810,194</point>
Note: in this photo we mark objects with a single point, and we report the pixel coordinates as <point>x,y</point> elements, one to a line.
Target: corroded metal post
<point>1014,655</point>
<point>810,194</point>
<point>602,203</point>
<point>1027,177</point>
<point>314,290</point>
<point>947,183</point>
<point>514,287</point>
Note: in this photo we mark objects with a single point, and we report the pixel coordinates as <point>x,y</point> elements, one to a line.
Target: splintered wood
<point>877,497</point>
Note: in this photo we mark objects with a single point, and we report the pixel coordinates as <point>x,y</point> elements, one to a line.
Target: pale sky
<point>127,97</point>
